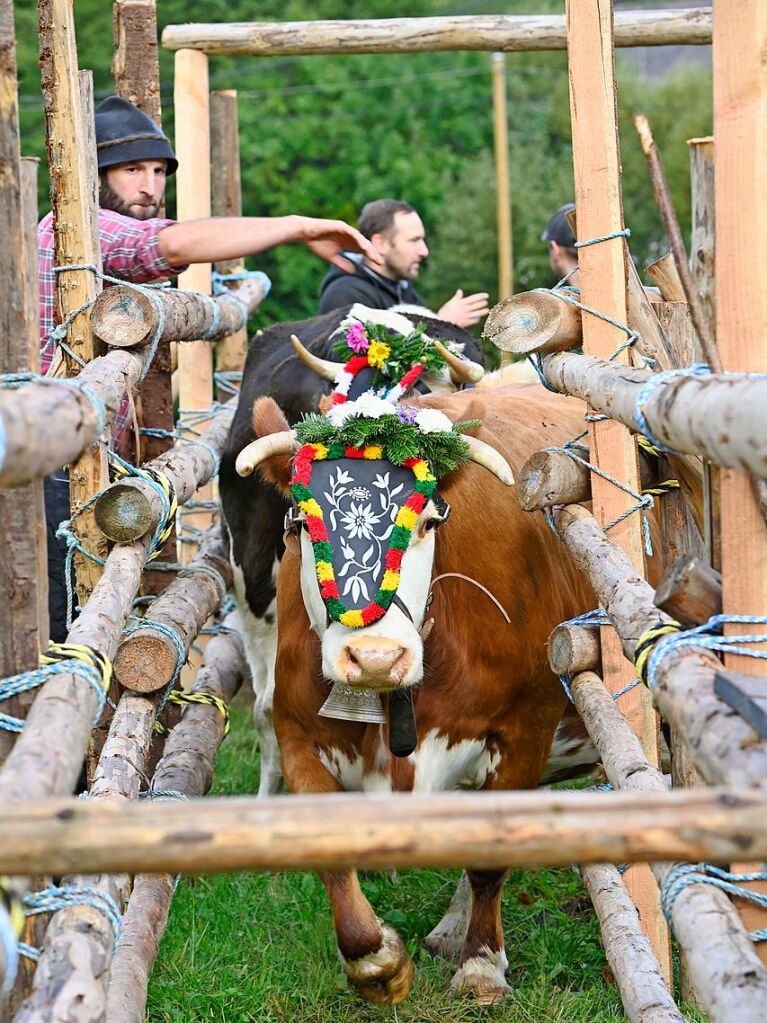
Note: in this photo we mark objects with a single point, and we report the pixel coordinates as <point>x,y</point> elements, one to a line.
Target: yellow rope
<point>647,641</point>
<point>202,698</point>
<point>13,904</point>
<point>159,541</point>
<point>57,652</point>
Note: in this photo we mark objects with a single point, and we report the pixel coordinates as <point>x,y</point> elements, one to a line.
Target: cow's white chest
<point>438,766</point>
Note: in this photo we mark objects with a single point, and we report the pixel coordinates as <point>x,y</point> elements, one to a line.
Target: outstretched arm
<point>465,310</point>
<point>206,241</point>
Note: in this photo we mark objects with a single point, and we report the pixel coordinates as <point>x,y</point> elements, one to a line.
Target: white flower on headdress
<point>431,420</point>
<point>359,520</point>
<point>368,405</point>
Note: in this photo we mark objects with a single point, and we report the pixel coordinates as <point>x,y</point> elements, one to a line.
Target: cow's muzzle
<point>374,662</point>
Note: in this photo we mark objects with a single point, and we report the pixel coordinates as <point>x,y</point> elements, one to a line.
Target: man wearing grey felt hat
<point>563,255</point>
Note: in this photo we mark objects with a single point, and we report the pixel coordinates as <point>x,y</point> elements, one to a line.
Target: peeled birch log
<point>28,452</point>
<point>718,417</point>
<point>574,648</point>
<point>725,970</point>
<point>723,747</point>
<point>339,831</point>
<point>48,754</point>
<point>124,317</point>
<point>186,767</point>
<point>644,994</point>
<point>535,321</point>
<point>147,660</point>
<point>690,591</point>
<point>551,477</point>
<point>664,274</point>
<point>130,507</point>
<point>71,978</point>
<point>496,32</point>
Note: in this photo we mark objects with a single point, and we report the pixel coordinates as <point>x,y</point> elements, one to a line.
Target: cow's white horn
<point>462,371</point>
<point>325,368</point>
<point>282,443</point>
<point>486,455</point>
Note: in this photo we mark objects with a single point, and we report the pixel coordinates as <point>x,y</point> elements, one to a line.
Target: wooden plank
<point>740,129</point>
<point>226,199</point>
<point>502,183</point>
<point>192,119</point>
<point>746,695</point>
<point>508,33</point>
<point>72,169</point>
<point>604,285</point>
<point>19,644</point>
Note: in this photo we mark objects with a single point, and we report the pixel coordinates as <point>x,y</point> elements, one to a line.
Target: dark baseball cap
<point>558,230</point>
<point>124,133</point>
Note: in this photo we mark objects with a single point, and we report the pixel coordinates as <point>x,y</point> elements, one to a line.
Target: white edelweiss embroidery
<point>359,520</point>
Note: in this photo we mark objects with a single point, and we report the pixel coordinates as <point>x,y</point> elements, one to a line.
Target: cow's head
<point>363,482</point>
<point>390,358</point>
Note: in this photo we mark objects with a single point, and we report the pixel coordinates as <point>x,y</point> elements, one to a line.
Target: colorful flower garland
<point>323,553</point>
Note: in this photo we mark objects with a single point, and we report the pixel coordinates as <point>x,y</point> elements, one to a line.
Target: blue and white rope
<point>686,874</point>
<point>596,617</point>
<point>51,900</point>
<point>39,676</point>
<point>646,390</point>
<point>709,637</point>
<point>140,624</point>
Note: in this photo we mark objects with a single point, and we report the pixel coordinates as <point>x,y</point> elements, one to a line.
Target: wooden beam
<point>504,33</point>
<point>604,287</point>
<point>226,199</point>
<point>740,129</point>
<point>72,168</point>
<point>502,182</point>
<point>192,119</point>
<point>19,531</point>
<point>485,830</point>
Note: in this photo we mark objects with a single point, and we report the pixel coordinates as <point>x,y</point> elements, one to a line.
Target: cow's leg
<point>448,937</point>
<point>372,953</point>
<point>482,968</point>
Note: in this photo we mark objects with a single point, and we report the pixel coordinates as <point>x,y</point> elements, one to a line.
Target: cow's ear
<point>266,418</point>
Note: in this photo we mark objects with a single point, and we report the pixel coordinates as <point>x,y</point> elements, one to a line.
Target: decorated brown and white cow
<point>412,645</point>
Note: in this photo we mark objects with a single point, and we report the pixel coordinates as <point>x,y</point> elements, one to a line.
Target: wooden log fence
<point>150,658</point>
<point>502,33</point>
<point>125,317</point>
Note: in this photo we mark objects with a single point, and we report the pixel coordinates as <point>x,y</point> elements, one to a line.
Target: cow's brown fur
<point>484,679</point>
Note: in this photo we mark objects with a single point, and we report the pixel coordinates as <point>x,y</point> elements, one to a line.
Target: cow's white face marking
<point>441,767</point>
<point>395,627</point>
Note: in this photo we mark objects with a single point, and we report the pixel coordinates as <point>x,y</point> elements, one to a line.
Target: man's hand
<point>328,238</point>
<point>465,310</point>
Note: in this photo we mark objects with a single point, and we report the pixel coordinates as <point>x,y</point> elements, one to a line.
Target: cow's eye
<point>432,524</point>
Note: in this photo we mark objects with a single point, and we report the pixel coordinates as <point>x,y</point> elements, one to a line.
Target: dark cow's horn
<point>486,455</point>
<point>324,367</point>
<point>282,443</point>
<point>462,371</point>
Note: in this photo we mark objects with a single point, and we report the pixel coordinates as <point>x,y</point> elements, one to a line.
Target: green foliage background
<point>323,135</point>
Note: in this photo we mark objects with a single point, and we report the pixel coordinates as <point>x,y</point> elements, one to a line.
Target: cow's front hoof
<point>384,976</point>
<point>483,978</point>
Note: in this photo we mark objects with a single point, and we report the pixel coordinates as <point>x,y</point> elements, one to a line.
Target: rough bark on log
<point>643,991</point>
<point>339,831</point>
<point>502,33</point>
<point>723,747</point>
<point>131,508</point>
<point>664,274</point>
<point>48,755</point>
<point>725,969</point>
<point>147,660</point>
<point>186,767</point>
<point>690,591</point>
<point>535,321</point>
<point>551,477</point>
<point>71,422</point>
<point>71,978</point>
<point>124,317</point>
<point>686,413</point>
<point>574,648</point>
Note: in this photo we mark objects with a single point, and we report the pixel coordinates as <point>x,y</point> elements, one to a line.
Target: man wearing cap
<point>134,160</point>
<point>563,255</point>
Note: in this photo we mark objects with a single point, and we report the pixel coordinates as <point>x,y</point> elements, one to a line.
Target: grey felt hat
<point>558,230</point>
<point>124,133</point>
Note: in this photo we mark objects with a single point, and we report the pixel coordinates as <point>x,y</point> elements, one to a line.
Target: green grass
<point>242,948</point>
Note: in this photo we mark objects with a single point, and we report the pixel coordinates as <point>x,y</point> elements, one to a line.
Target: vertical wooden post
<point>502,186</point>
<point>19,643</point>
<point>190,98</point>
<point>226,198</point>
<point>136,73</point>
<point>596,160</point>
<point>740,130</point>
<point>72,218</point>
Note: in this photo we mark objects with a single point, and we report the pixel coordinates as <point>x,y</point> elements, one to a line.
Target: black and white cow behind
<point>254,511</point>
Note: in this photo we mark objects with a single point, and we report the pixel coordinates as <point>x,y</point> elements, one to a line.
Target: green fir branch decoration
<point>399,441</point>
<point>405,352</point>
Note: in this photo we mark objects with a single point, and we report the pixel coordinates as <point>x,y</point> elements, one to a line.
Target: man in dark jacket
<point>397,232</point>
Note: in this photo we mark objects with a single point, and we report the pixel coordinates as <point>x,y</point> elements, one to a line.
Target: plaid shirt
<point>129,251</point>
